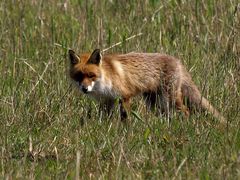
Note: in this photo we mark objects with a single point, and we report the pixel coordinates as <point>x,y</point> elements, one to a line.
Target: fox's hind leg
<point>150,99</point>
<point>158,102</point>
<point>179,103</point>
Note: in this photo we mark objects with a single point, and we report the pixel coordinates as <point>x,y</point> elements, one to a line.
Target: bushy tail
<point>206,105</point>
<point>196,101</point>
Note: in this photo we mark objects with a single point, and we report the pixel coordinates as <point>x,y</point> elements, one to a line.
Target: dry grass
<point>48,130</point>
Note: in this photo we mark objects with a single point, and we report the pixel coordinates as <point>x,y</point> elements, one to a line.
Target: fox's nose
<point>84,89</point>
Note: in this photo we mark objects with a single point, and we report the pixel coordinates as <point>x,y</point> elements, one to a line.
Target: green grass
<point>45,123</point>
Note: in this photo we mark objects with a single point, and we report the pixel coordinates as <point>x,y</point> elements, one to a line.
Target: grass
<point>49,130</point>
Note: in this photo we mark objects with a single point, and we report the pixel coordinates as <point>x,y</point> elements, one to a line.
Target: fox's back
<point>139,72</point>
<point>147,63</point>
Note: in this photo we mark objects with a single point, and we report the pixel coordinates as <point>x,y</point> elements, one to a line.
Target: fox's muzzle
<point>84,89</point>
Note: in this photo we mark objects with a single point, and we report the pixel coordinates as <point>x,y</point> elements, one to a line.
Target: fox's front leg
<point>106,108</point>
<point>124,108</point>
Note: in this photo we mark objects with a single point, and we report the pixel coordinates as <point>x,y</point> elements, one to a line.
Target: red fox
<point>161,79</point>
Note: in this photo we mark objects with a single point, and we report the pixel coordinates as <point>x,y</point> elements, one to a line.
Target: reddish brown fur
<point>162,79</point>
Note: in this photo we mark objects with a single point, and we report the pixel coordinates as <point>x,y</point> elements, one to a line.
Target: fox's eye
<point>91,75</point>
<point>78,77</point>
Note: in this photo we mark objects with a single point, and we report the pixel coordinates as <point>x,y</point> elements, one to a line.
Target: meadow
<point>48,130</point>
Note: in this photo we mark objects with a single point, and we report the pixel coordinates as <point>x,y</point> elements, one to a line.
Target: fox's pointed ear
<point>73,57</point>
<point>95,57</point>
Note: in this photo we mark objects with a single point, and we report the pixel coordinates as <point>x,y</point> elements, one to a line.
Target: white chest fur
<point>103,88</point>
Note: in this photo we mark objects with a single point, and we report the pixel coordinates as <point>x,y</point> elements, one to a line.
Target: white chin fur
<point>90,88</point>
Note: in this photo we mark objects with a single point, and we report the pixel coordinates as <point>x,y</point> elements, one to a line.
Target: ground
<point>49,130</point>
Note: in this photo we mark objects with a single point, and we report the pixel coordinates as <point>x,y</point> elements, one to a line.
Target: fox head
<point>85,69</point>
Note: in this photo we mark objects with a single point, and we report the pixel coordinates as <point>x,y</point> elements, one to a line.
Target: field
<point>48,130</point>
